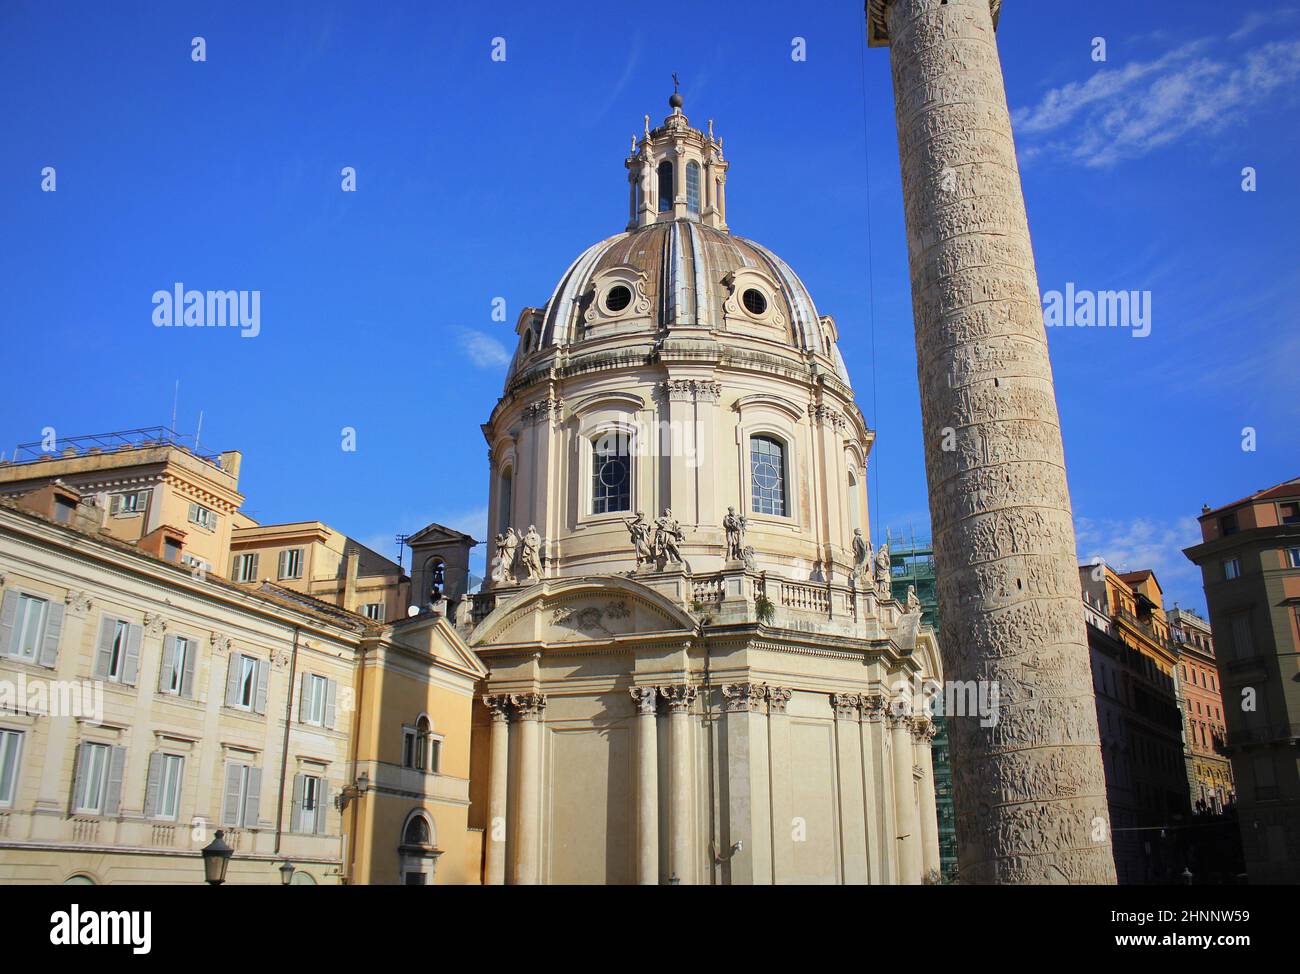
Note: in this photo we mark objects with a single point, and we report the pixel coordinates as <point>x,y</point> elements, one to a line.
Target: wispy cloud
<point>1137,543</point>
<point>1195,89</point>
<point>483,350</point>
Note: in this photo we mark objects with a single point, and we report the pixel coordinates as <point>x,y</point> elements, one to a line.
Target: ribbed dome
<point>679,275</point>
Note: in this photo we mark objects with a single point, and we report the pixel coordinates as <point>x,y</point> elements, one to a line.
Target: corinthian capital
<point>845,705</point>
<point>679,697</point>
<point>777,698</point>
<point>528,706</point>
<point>645,699</point>
<point>743,697</point>
<point>498,706</point>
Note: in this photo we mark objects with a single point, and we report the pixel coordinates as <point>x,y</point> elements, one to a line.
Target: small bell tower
<point>676,172</point>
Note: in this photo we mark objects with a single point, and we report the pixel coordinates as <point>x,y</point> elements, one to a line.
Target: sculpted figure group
<point>518,558</point>
<point>660,548</point>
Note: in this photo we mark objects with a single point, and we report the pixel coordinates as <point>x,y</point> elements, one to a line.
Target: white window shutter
<point>152,785</point>
<point>263,676</point>
<point>113,790</point>
<point>253,798</point>
<point>131,662</point>
<point>230,800</point>
<point>295,810</point>
<point>236,566</point>
<point>115,504</point>
<point>79,779</point>
<point>168,663</point>
<point>304,710</point>
<point>8,615</point>
<point>187,674</point>
<point>104,650</point>
<point>322,805</point>
<point>194,513</point>
<point>284,558</point>
<point>53,632</point>
<point>232,680</point>
<point>331,695</point>
<point>252,575</point>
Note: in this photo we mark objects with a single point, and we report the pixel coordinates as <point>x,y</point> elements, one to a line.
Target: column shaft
<point>1003,534</point>
<point>528,838</point>
<point>647,786</point>
<point>929,809</point>
<point>908,839</point>
<point>681,859</point>
<point>498,789</point>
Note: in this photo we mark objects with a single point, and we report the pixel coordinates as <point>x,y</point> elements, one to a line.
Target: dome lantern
<point>676,172</point>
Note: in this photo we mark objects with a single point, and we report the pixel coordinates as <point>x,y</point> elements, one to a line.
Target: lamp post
<point>286,873</point>
<point>216,857</point>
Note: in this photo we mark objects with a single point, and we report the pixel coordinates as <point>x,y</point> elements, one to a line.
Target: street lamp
<point>216,857</point>
<point>286,873</point>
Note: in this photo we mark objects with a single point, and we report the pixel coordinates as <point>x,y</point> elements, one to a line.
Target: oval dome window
<point>755,303</point>
<point>618,298</point>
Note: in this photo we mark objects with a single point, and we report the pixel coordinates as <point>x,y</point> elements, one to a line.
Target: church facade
<point>697,671</point>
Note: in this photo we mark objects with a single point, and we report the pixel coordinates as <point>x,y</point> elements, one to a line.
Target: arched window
<point>422,744</point>
<point>855,505</point>
<point>504,501</point>
<point>665,186</point>
<point>611,473</point>
<point>693,187</point>
<point>417,832</point>
<point>767,475</point>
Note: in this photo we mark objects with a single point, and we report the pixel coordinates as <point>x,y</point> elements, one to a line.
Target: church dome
<point>681,274</point>
<point>677,271</point>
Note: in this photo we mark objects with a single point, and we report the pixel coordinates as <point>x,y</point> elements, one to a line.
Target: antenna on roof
<point>176,396</point>
<point>198,431</point>
<point>401,543</point>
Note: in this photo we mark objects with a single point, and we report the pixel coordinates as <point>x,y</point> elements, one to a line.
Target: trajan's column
<point>1029,789</point>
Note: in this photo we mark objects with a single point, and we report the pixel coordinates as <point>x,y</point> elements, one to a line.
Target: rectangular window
<point>408,747</point>
<point>310,802</point>
<point>203,517</point>
<point>93,781</point>
<point>171,772</point>
<point>1293,558</point>
<point>291,563</point>
<point>124,505</point>
<point>1242,640</point>
<point>64,509</point>
<point>1289,513</point>
<point>11,751</point>
<point>373,611</point>
<point>611,473</point>
<point>29,627</point>
<point>313,693</point>
<point>245,568</point>
<point>435,755</point>
<point>176,653</point>
<point>1228,525</point>
<point>1231,568</point>
<point>246,689</point>
<point>241,800</point>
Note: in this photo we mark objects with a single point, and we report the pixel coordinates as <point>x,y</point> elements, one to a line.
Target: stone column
<point>854,857</point>
<point>999,504</point>
<point>872,714</point>
<point>908,840</point>
<point>647,786</point>
<point>778,744</point>
<point>748,809</point>
<point>498,787</point>
<point>923,731</point>
<point>528,834</point>
<point>681,859</point>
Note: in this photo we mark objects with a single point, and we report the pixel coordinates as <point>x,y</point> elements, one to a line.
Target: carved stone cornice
<point>544,410</point>
<point>845,705</point>
<point>740,698</point>
<point>528,706</point>
<point>689,390</point>
<point>679,697</point>
<point>498,706</point>
<point>777,698</point>
<point>645,698</point>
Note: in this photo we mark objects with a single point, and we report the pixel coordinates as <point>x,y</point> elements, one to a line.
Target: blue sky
<point>479,179</point>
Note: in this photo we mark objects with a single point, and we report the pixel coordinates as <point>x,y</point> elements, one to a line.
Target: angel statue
<point>861,556</point>
<point>882,572</point>
<point>504,564</point>
<point>668,537</point>
<point>734,525</point>
<point>639,529</point>
<point>530,557</point>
